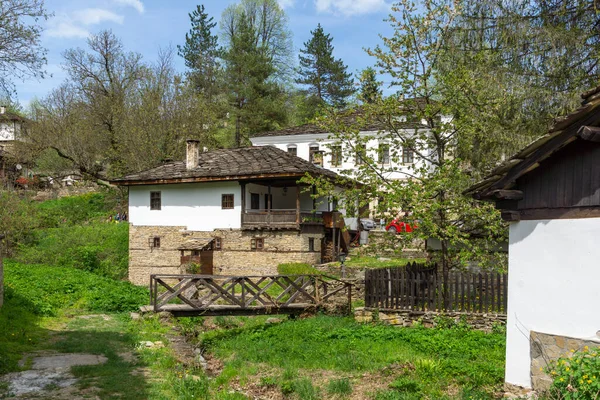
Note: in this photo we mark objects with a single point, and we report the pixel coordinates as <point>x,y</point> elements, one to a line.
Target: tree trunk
<point>445,275</point>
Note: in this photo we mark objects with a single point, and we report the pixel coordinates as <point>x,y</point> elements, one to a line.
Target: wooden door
<point>206,262</point>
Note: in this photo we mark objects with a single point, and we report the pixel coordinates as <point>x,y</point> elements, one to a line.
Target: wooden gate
<point>206,262</point>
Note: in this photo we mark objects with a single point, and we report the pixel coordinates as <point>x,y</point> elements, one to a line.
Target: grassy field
<point>64,294</point>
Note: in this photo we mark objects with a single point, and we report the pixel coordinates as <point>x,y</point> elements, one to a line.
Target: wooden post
<point>297,204</point>
<point>1,274</point>
<point>243,184</point>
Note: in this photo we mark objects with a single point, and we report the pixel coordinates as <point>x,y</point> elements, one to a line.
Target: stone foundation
<point>235,257</point>
<point>429,319</point>
<point>546,348</point>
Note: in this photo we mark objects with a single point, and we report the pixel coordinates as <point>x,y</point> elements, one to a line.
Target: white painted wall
<point>195,205</point>
<point>8,130</point>
<point>553,286</point>
<point>303,143</point>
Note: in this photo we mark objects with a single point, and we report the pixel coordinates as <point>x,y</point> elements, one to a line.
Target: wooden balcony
<point>279,219</point>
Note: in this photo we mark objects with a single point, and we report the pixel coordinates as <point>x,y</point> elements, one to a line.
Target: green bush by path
<point>98,247</point>
<point>45,290</point>
<point>76,210</point>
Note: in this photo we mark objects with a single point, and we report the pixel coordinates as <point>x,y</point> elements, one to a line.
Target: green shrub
<point>404,384</point>
<point>297,269</point>
<point>340,387</point>
<point>76,210</point>
<point>305,389</point>
<point>577,377</point>
<point>45,290</point>
<point>97,247</point>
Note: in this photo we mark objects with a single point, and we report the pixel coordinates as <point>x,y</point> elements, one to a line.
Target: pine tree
<point>251,93</point>
<point>369,87</point>
<point>325,77</point>
<point>201,52</point>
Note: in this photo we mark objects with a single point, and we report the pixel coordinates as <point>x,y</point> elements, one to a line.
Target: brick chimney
<point>192,153</point>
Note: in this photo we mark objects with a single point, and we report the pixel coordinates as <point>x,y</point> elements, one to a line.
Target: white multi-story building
<point>320,147</point>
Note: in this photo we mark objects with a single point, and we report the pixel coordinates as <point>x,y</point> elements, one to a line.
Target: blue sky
<point>144,26</point>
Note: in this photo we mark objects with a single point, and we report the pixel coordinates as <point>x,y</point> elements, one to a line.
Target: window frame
<point>360,155</point>
<point>257,244</point>
<point>156,242</point>
<point>336,155</point>
<point>384,154</point>
<point>292,149</point>
<point>408,155</point>
<point>227,204</point>
<point>311,244</point>
<point>155,197</point>
<point>217,243</point>
<point>254,201</point>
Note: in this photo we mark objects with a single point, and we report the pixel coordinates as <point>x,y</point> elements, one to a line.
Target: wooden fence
<point>423,289</point>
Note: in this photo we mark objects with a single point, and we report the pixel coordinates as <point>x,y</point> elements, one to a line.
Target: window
<point>384,153</point>
<point>361,153</point>
<point>156,242</point>
<point>217,243</point>
<point>336,156</point>
<point>293,150</point>
<point>155,201</point>
<point>268,201</point>
<point>227,201</point>
<point>314,155</point>
<point>257,244</point>
<point>408,156</point>
<point>311,244</point>
<point>254,201</point>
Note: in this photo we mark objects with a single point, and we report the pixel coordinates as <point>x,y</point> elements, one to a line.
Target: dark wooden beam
<point>589,133</point>
<point>507,204</point>
<point>504,194</point>
<point>560,213</point>
<point>511,215</point>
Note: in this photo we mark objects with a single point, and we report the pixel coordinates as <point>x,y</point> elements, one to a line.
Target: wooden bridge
<point>211,295</point>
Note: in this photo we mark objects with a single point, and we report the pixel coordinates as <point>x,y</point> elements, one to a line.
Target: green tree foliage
<point>325,77</point>
<point>116,114</point>
<point>370,90</point>
<point>21,53</point>
<point>17,219</point>
<point>201,53</point>
<point>423,139</point>
<point>253,95</point>
<point>269,29</point>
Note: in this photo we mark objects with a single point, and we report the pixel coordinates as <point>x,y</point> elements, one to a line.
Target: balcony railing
<point>286,219</point>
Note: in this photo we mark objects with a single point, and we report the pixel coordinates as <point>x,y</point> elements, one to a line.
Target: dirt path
<point>87,356</point>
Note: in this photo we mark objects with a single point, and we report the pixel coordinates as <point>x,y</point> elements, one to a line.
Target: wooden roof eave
<point>165,181</point>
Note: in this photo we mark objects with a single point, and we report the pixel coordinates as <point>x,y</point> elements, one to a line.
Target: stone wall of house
<point>283,246</point>
<point>235,258</point>
<point>545,348</point>
<point>484,322</point>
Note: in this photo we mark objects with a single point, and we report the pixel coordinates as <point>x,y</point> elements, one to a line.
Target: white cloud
<point>62,26</point>
<point>286,3</point>
<point>350,7</point>
<point>74,25</point>
<point>94,16</point>
<point>137,4</point>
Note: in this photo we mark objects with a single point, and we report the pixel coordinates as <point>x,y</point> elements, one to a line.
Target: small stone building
<point>550,194</point>
<point>228,212</point>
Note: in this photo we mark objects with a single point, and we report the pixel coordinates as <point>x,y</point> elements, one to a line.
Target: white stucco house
<point>233,211</point>
<point>550,194</point>
<point>11,125</point>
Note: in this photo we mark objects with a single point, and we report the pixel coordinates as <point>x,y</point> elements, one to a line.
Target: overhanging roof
<point>580,124</point>
<point>246,163</point>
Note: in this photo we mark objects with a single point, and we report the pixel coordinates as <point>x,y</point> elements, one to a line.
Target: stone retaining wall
<point>483,322</point>
<point>546,348</point>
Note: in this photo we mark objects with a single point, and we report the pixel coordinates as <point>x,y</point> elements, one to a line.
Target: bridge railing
<point>241,295</point>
